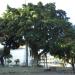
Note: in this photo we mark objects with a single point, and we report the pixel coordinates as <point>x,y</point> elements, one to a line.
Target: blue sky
<point>67,5</point>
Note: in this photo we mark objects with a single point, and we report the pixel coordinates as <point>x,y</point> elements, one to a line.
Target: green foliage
<point>42,26</point>
<point>17,61</point>
<point>9,61</point>
<point>8,56</point>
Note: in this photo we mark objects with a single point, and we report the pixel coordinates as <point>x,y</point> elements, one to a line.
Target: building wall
<point>21,55</point>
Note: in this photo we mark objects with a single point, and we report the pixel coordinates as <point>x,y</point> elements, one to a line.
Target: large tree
<point>42,26</point>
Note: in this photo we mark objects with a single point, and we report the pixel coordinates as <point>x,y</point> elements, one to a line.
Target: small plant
<point>7,57</point>
<point>17,61</point>
<point>9,61</point>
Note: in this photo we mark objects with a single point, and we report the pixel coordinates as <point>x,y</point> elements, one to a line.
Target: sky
<point>67,5</point>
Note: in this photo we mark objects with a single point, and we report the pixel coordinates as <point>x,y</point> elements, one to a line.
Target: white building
<point>21,55</point>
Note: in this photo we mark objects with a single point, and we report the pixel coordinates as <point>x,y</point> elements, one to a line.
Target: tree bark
<point>73,64</point>
<point>27,54</point>
<point>35,62</point>
<point>46,61</point>
<point>2,60</point>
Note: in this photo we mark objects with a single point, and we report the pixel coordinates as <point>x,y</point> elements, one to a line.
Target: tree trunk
<point>27,54</point>
<point>5,61</point>
<point>2,60</point>
<point>35,62</point>
<point>73,64</point>
<point>46,61</point>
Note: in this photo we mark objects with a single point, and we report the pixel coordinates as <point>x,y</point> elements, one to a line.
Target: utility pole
<point>25,2</point>
<point>26,49</point>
